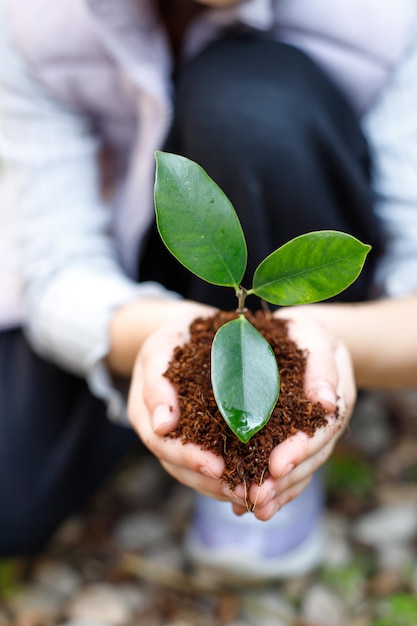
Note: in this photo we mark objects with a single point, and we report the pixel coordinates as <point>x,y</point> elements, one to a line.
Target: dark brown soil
<point>200,420</point>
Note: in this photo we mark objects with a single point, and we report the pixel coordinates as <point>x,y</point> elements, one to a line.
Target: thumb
<point>321,374</point>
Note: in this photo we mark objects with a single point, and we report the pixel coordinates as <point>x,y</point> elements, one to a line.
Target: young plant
<point>200,227</point>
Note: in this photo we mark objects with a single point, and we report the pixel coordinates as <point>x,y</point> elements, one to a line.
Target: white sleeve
<point>71,275</point>
<point>391,129</point>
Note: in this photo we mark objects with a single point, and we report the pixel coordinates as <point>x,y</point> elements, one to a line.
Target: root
<point>259,488</point>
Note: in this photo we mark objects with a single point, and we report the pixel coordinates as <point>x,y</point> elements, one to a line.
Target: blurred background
<point>119,562</point>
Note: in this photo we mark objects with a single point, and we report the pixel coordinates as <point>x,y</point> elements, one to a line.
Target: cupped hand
<point>329,379</point>
<point>153,407</point>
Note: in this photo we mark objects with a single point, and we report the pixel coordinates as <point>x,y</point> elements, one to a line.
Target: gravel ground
<point>119,562</point>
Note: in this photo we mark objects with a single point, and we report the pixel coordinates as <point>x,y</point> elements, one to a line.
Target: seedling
<point>200,227</point>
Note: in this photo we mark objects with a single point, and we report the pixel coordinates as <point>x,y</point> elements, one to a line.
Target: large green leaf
<point>244,377</point>
<point>310,268</point>
<point>197,222</point>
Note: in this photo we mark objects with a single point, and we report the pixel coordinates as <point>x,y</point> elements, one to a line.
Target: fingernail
<point>161,416</point>
<point>327,393</point>
<point>289,468</point>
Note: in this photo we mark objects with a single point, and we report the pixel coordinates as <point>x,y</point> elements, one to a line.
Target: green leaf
<point>310,268</point>
<point>197,222</point>
<point>400,610</point>
<point>244,376</point>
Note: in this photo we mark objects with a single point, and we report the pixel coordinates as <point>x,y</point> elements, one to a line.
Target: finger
<point>187,455</point>
<point>239,509</point>
<point>267,511</point>
<point>164,414</point>
<point>346,390</point>
<point>205,485</point>
<point>156,355</point>
<point>321,375</point>
<point>300,447</point>
<point>159,395</point>
<point>171,449</point>
<point>302,472</point>
<point>259,495</point>
<point>208,486</point>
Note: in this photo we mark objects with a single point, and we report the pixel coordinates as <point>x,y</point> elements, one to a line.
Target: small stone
<point>140,531</point>
<point>83,622</point>
<point>4,620</point>
<point>360,620</point>
<point>267,608</point>
<point>385,583</point>
<point>396,557</point>
<point>169,555</point>
<point>396,493</point>
<point>387,524</point>
<point>107,604</point>
<point>35,605</point>
<point>337,550</point>
<point>322,606</point>
<point>58,577</point>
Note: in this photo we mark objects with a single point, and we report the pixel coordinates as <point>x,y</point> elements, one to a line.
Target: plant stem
<point>241,294</point>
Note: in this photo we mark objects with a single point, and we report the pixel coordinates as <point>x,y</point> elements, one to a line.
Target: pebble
<point>397,557</point>
<point>58,577</point>
<point>36,605</point>
<point>268,609</point>
<point>83,622</point>
<point>150,521</point>
<point>322,606</point>
<point>140,531</point>
<point>170,555</point>
<point>4,620</point>
<point>387,524</point>
<point>111,605</point>
<point>338,551</point>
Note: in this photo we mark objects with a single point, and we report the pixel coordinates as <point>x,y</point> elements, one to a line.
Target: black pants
<point>56,446</point>
<point>287,150</point>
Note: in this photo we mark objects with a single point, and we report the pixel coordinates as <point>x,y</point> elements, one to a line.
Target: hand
<point>153,408</point>
<point>329,379</point>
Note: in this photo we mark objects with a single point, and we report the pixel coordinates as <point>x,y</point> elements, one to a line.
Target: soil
<point>200,420</point>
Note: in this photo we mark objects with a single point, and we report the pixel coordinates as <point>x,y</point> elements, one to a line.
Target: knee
<point>248,96</point>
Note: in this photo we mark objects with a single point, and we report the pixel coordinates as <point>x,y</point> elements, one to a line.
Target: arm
<point>377,339</point>
<point>381,337</point>
<point>72,279</point>
<point>81,307</point>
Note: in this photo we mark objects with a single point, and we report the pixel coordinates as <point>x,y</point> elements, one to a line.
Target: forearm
<point>381,337</point>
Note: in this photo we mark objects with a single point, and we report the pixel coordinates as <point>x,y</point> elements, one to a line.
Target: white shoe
<point>222,545</point>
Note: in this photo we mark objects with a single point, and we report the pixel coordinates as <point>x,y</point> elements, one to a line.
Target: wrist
<point>130,325</point>
<point>133,323</point>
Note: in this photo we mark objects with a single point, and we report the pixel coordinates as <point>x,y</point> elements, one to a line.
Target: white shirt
<point>72,291</point>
